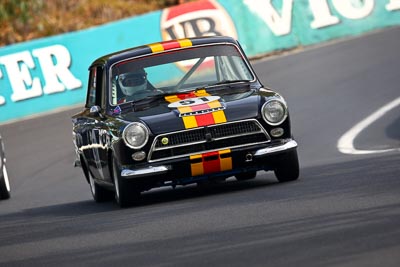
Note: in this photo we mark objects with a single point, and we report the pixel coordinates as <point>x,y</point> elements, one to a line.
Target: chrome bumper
<point>290,144</point>
<point>149,171</point>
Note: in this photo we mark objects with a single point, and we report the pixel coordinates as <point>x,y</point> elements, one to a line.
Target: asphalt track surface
<point>343,211</point>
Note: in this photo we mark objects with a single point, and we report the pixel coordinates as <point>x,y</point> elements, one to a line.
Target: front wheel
<point>125,194</point>
<point>99,193</point>
<point>287,168</point>
<point>5,191</point>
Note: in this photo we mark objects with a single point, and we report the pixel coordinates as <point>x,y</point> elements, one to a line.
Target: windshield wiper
<point>229,82</point>
<point>147,101</point>
<point>150,100</point>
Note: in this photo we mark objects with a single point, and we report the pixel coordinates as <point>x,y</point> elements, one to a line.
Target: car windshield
<point>174,72</point>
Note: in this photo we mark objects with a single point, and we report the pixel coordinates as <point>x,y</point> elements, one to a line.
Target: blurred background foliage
<point>23,20</point>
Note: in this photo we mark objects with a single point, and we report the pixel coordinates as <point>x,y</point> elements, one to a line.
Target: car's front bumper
<point>251,159</point>
<point>143,172</point>
<point>287,145</point>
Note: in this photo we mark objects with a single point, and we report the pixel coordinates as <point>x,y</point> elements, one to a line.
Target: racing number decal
<point>211,162</point>
<point>198,108</point>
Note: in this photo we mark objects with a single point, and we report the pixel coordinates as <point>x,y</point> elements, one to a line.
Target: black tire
<point>288,167</point>
<point>125,193</point>
<point>246,176</point>
<point>99,193</point>
<point>5,191</point>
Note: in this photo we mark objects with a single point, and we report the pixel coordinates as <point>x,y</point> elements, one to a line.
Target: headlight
<point>274,111</point>
<point>135,135</point>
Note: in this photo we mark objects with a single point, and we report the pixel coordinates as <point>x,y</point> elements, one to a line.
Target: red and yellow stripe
<point>179,97</point>
<point>211,118</point>
<point>168,45</point>
<point>198,120</point>
<point>211,162</point>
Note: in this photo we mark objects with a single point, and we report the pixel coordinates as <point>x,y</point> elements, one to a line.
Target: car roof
<point>149,49</point>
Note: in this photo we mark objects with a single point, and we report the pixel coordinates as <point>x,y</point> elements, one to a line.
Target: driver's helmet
<point>132,82</point>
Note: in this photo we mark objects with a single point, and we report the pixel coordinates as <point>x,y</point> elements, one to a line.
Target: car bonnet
<point>180,112</point>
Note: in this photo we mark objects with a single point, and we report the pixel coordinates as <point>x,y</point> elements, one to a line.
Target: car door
<point>93,131</point>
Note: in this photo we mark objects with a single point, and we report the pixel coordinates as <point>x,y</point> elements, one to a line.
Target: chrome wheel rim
<point>92,185</point>
<point>5,174</point>
<point>116,184</point>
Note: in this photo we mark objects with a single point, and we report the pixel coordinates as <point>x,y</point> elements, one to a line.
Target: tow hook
<point>249,157</point>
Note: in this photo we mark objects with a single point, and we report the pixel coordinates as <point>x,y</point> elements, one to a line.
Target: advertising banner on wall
<point>51,73</point>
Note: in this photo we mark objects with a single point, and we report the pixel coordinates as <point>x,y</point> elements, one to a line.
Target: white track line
<point>345,143</point>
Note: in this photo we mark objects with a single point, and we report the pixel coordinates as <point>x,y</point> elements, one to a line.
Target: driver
<point>133,85</point>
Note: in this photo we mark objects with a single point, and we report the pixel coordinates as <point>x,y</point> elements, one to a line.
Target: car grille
<point>214,137</point>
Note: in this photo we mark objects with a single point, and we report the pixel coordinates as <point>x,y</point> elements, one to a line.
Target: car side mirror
<point>95,111</point>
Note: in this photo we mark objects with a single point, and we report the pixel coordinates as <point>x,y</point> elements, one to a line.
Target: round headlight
<point>135,135</point>
<point>274,112</point>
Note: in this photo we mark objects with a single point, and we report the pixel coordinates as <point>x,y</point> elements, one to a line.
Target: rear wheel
<point>288,167</point>
<point>125,193</point>
<point>99,193</point>
<point>4,185</point>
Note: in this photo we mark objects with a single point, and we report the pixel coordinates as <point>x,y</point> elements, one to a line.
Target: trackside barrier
<point>50,73</point>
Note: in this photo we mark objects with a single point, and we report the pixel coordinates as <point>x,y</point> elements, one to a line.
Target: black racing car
<point>4,182</point>
<point>176,113</point>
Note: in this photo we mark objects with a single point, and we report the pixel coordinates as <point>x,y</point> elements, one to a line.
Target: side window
<point>94,93</point>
